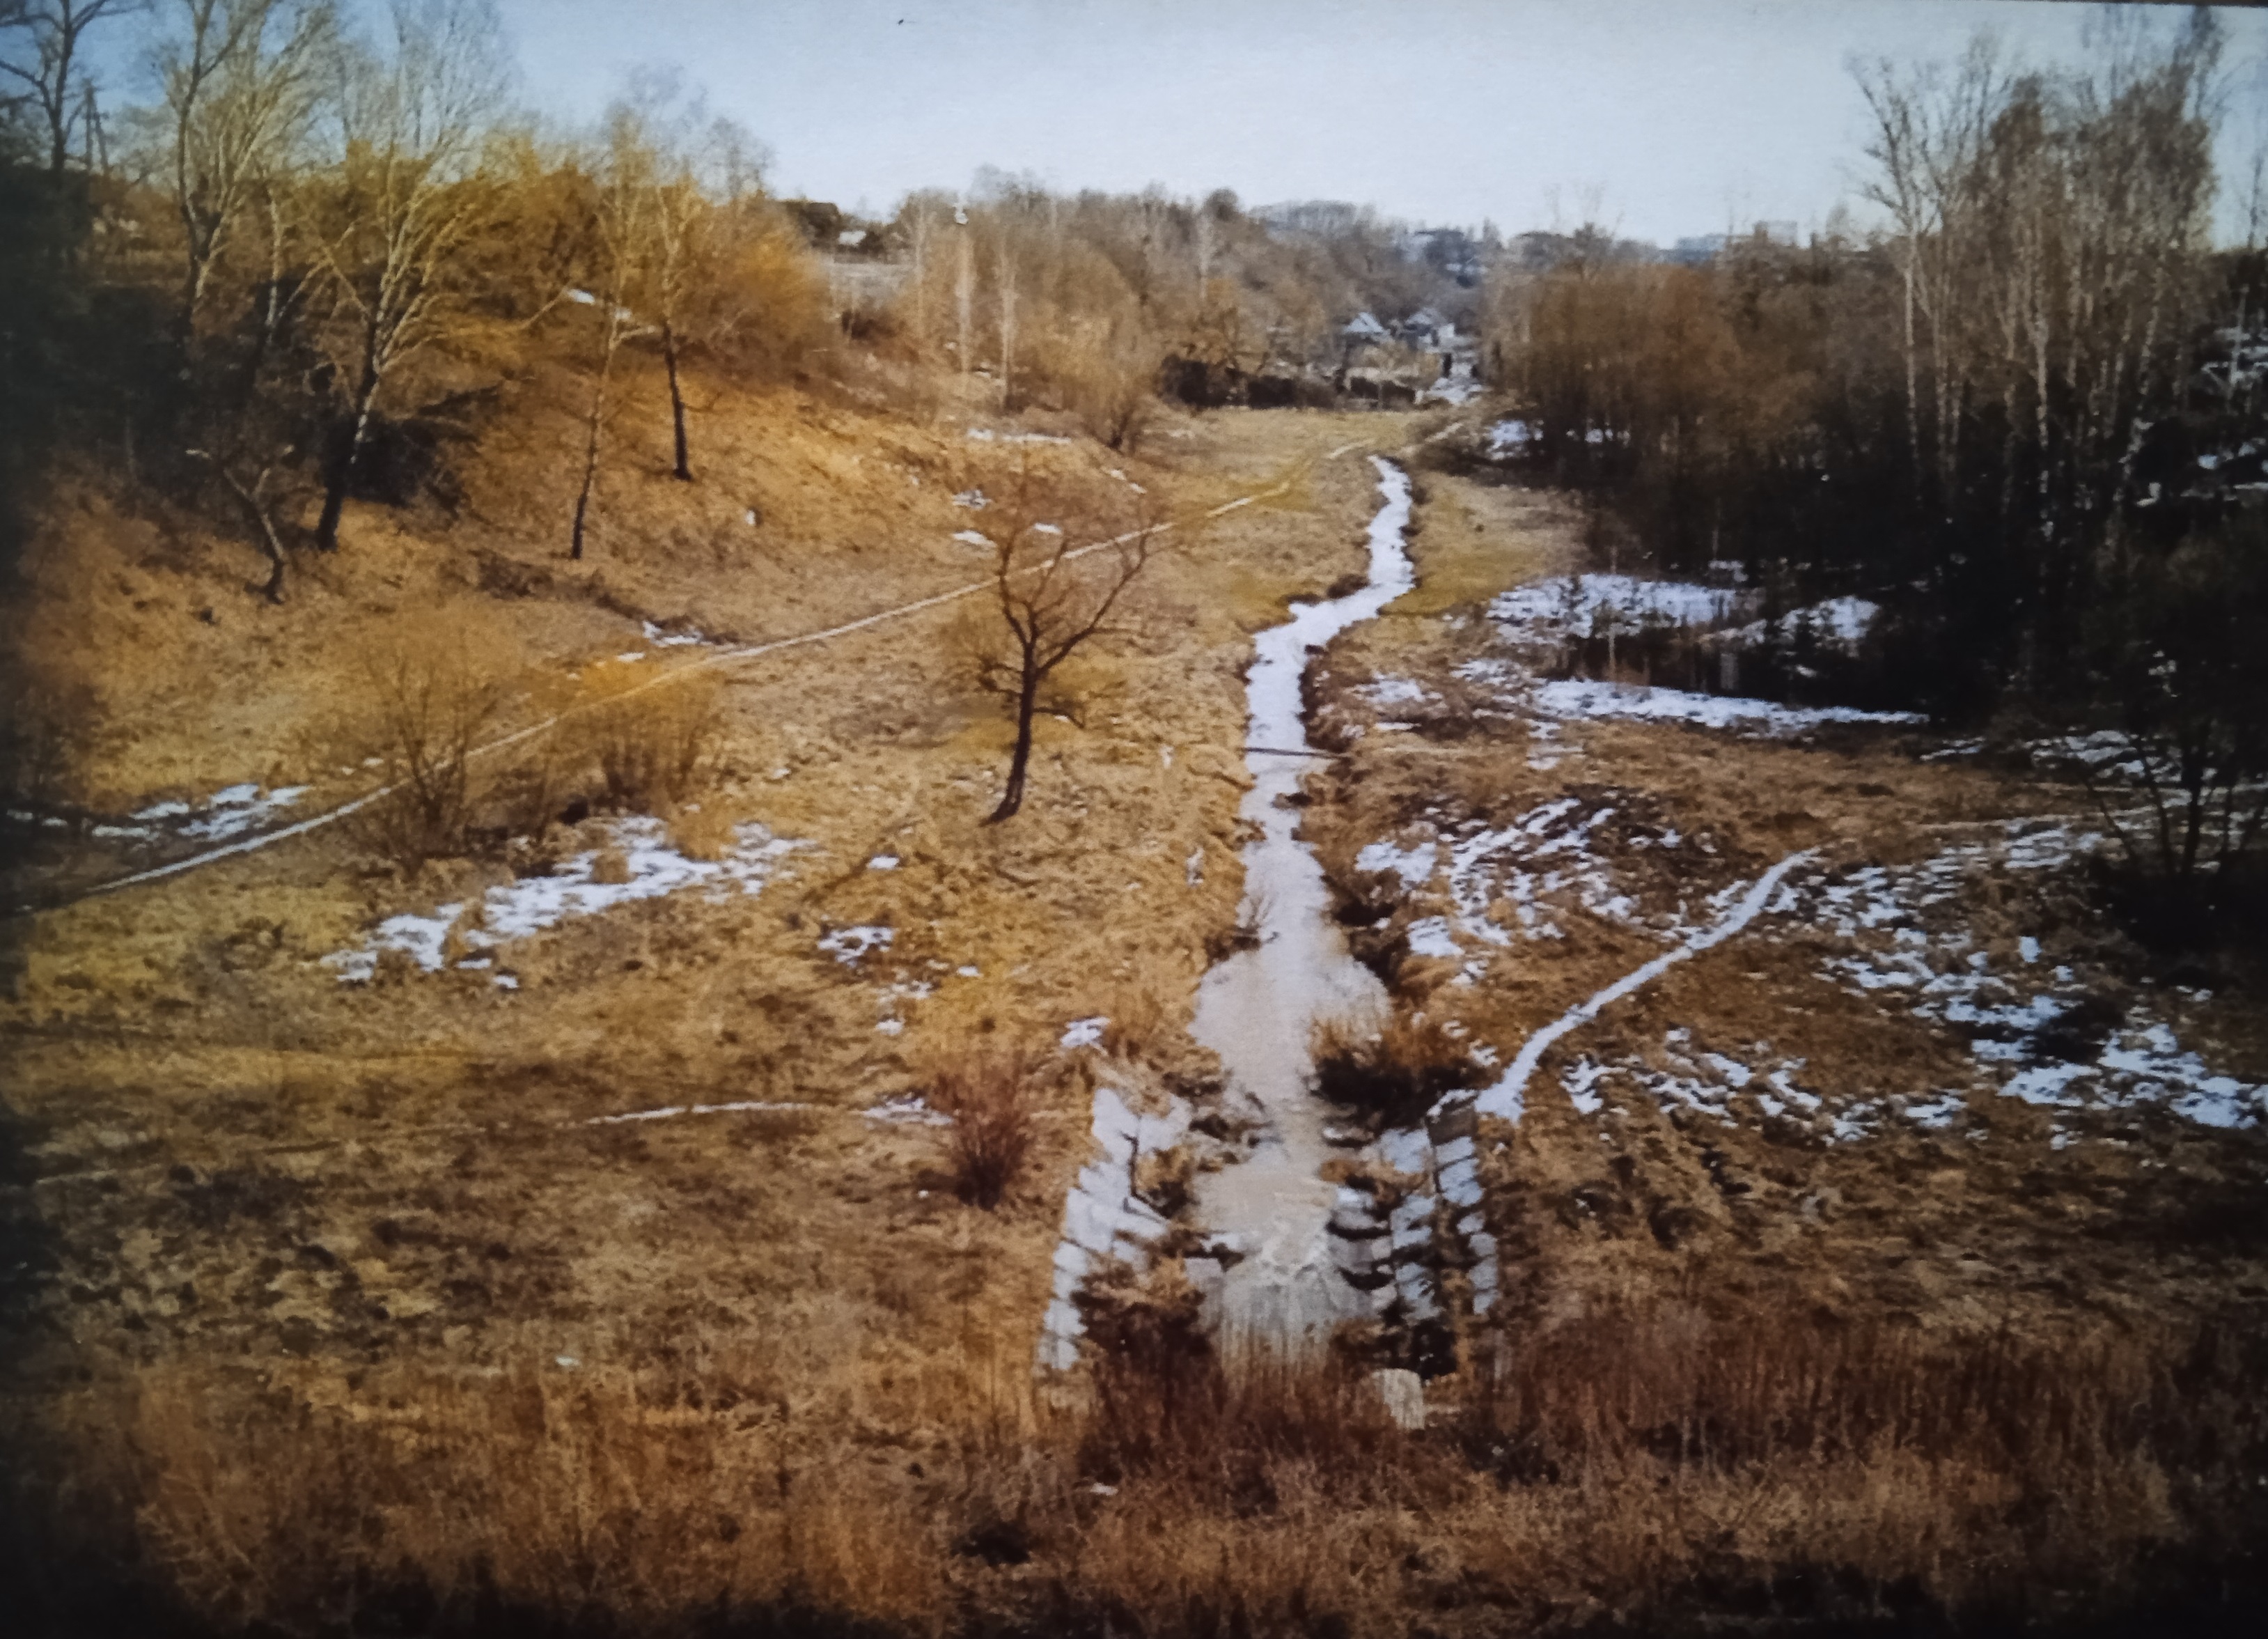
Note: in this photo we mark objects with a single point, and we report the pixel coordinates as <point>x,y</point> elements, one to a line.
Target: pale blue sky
<point>1678,114</point>
<point>1678,117</point>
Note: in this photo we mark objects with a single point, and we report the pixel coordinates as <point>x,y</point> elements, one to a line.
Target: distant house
<point>1362,330</point>
<point>1426,330</point>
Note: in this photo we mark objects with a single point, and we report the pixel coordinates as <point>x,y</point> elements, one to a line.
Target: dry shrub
<point>655,745</point>
<point>1171,1409</point>
<point>987,1096</point>
<point>424,707</point>
<point>611,867</point>
<point>43,729</point>
<point>551,1491</point>
<point>1391,1079</point>
<point>1137,1018</point>
<point>703,830</point>
<point>528,798</point>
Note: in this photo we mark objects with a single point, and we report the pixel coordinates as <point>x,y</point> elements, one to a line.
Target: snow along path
<point>1504,1099</point>
<point>722,657</point>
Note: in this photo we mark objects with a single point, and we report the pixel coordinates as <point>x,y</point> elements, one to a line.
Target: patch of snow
<point>517,909</point>
<point>907,1109</point>
<point>231,812</point>
<point>1504,1098</point>
<point>1085,1032</point>
<point>1505,438</point>
<point>1431,938</point>
<point>848,945</point>
<point>1393,691</point>
<point>970,537</point>
<point>1840,623</point>
<point>1414,865</point>
<point>986,435</point>
<point>1552,611</point>
<point>883,862</point>
<point>1577,697</point>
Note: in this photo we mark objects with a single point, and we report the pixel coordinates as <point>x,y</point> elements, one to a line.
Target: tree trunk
<point>334,487</point>
<point>590,465</point>
<point>1027,699</point>
<point>684,472</point>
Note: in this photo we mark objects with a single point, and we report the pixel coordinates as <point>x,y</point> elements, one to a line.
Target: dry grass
<point>653,748</point>
<point>423,706</point>
<point>1390,1076</point>
<point>1641,1461</point>
<point>990,1099</point>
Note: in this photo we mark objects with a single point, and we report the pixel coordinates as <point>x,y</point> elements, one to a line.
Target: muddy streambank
<point>1275,1276</point>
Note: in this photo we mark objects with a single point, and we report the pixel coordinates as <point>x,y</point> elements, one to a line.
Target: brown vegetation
<point>988,1099</point>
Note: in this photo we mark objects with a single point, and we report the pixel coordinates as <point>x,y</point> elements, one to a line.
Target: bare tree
<point>406,201</point>
<point>1053,596</point>
<point>921,216</point>
<point>701,171</point>
<point>964,283</point>
<point>49,63</point>
<point>1004,291</point>
<point>239,99</point>
<point>622,212</point>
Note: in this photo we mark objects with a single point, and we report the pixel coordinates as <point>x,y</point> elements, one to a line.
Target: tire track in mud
<point>520,736</point>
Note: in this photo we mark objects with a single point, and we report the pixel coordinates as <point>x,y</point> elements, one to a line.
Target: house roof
<point>1363,324</point>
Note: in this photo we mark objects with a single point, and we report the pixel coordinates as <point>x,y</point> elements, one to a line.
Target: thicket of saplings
<point>2022,420</point>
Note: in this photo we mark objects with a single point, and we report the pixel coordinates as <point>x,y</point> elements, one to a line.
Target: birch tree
<point>405,203</point>
<point>622,217</point>
<point>241,80</point>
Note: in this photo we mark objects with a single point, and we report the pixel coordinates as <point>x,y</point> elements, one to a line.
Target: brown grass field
<point>342,1309</point>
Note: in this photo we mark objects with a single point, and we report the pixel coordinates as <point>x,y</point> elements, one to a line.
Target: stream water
<point>1257,1007</point>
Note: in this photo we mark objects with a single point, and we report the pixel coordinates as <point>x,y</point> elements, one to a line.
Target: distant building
<point>1708,246</point>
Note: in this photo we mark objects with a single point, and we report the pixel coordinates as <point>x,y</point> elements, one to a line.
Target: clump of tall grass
<point>1394,1075</point>
<point>988,1099</point>
<point>421,707</point>
<point>653,747</point>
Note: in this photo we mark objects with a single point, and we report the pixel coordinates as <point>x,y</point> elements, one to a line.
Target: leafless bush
<point>656,747</point>
<point>425,708</point>
<point>988,1099</point>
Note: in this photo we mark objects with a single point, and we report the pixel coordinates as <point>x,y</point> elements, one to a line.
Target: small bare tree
<point>1053,596</point>
<point>964,284</point>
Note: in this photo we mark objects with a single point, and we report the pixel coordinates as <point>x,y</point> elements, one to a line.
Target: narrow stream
<point>1257,1007</point>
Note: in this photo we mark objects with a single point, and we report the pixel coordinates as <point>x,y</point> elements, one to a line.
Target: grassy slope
<point>263,1189</point>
